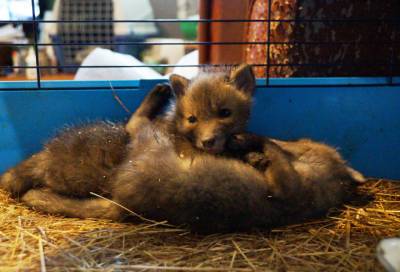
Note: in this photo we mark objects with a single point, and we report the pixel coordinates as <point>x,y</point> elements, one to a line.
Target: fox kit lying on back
<point>170,169</point>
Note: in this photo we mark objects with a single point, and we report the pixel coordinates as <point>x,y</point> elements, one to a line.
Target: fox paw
<point>257,160</point>
<point>38,199</point>
<point>239,143</point>
<point>160,95</point>
<point>155,101</point>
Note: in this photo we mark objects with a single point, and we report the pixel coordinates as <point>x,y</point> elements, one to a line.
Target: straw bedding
<point>345,241</point>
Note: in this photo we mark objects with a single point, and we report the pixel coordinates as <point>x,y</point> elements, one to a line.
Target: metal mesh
<point>90,23</point>
<point>84,34</point>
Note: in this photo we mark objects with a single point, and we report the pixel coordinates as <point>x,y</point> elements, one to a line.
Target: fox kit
<point>176,167</point>
<point>326,181</point>
<point>212,112</point>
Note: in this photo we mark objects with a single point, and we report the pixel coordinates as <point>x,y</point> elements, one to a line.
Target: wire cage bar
<point>35,30</point>
<point>391,41</point>
<point>355,113</point>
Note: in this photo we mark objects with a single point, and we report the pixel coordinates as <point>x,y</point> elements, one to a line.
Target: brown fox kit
<point>310,174</point>
<point>170,169</point>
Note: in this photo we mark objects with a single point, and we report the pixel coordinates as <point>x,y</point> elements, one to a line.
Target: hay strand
<point>343,241</point>
<point>42,259</point>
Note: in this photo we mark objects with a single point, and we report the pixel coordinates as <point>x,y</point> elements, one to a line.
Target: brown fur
<point>164,173</point>
<point>78,159</point>
<point>206,99</point>
<point>319,177</point>
<point>306,173</point>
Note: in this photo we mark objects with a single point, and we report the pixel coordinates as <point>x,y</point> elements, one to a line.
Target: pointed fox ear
<point>243,78</point>
<point>179,84</point>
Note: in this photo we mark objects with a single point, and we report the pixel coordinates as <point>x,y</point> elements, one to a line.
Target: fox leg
<point>45,200</point>
<point>240,145</point>
<point>280,173</point>
<point>269,158</point>
<point>150,107</point>
<point>24,176</point>
<point>258,160</point>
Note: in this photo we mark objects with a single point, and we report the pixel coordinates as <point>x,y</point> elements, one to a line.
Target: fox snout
<point>211,140</point>
<point>213,145</point>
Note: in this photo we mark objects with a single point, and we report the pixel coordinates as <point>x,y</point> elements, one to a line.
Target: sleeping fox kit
<point>193,165</point>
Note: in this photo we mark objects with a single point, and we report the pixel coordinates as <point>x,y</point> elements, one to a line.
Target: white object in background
<point>9,34</point>
<point>31,61</point>
<point>388,251</point>
<point>172,53</point>
<point>18,9</point>
<point>187,8</point>
<point>106,57</point>
<point>190,59</point>
<point>126,10</point>
<point>134,10</point>
<point>47,30</point>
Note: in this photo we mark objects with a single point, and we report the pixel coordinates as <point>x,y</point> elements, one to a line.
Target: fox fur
<point>193,166</point>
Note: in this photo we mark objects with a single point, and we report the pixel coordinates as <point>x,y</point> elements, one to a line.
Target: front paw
<point>257,160</point>
<point>238,142</point>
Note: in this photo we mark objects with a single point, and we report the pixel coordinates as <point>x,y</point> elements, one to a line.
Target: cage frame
<point>358,115</point>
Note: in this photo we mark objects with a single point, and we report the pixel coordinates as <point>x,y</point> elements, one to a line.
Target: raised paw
<point>161,90</point>
<point>257,160</point>
<point>155,100</point>
<point>159,96</point>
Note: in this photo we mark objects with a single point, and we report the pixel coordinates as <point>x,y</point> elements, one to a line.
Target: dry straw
<point>346,241</point>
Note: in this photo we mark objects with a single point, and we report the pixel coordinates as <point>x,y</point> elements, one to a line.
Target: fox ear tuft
<point>243,78</point>
<point>179,84</point>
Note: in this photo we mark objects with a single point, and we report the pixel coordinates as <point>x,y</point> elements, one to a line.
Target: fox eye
<point>224,113</point>
<point>192,119</point>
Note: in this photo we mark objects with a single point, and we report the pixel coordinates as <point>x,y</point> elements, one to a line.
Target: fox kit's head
<point>213,106</point>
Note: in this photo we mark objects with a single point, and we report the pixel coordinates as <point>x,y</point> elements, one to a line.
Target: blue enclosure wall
<point>359,116</point>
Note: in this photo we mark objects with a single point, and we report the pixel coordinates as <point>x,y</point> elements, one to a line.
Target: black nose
<point>208,143</point>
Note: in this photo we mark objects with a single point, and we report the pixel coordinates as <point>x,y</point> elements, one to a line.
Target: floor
<point>345,240</point>
<point>45,77</point>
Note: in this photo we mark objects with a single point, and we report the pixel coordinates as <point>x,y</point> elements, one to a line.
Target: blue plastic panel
<point>363,122</point>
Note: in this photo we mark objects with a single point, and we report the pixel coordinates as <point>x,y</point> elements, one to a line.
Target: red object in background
<point>257,32</point>
<point>314,48</point>
<point>222,32</point>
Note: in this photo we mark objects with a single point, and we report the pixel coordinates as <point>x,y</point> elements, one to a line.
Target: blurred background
<point>305,38</point>
<point>64,46</point>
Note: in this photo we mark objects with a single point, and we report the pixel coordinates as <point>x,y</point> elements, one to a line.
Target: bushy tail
<point>357,176</point>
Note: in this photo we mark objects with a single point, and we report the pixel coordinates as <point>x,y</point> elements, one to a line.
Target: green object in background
<point>189,29</point>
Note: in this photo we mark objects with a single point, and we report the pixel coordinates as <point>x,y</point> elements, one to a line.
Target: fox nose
<point>209,143</point>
